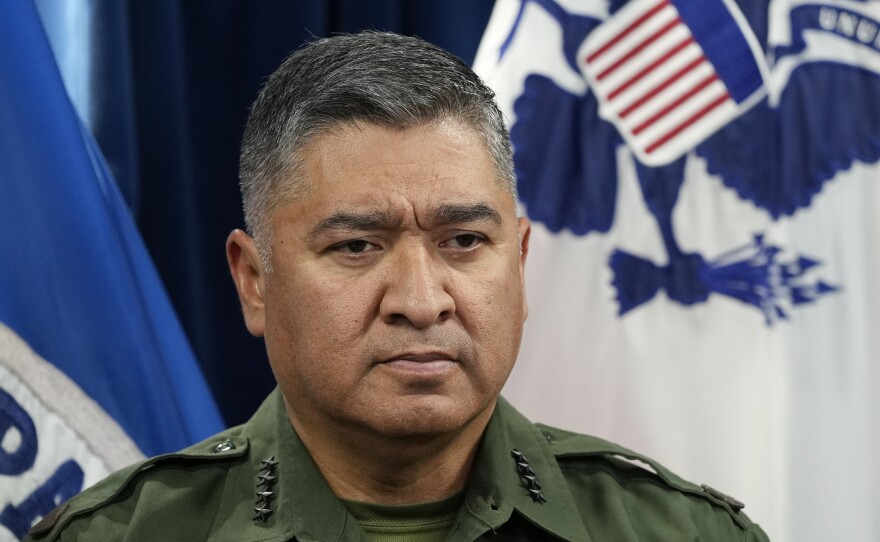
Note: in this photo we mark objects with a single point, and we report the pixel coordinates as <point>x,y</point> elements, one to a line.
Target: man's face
<point>395,302</point>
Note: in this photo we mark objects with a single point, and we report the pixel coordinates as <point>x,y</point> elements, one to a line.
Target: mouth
<point>420,363</point>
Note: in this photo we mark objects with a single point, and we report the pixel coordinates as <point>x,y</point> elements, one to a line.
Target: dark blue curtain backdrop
<point>170,84</point>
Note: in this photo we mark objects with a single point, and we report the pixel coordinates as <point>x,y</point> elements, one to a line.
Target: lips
<point>420,358</point>
<point>427,362</point>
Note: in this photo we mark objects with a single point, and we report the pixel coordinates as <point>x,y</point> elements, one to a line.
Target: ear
<point>525,232</point>
<point>247,274</point>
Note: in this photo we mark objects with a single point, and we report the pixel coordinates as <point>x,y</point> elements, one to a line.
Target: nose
<point>416,290</point>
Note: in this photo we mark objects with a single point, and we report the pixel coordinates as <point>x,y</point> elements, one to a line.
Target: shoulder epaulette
<point>225,446</point>
<point>566,444</point>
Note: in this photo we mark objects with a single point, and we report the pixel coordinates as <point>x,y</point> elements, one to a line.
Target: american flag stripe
<point>639,62</point>
<point>685,115</point>
<point>668,95</point>
<point>651,67</point>
<point>655,90</point>
<point>629,29</point>
<point>632,53</point>
<point>696,89</point>
<point>718,102</point>
<point>653,77</point>
<point>659,76</point>
<point>708,94</point>
<point>633,39</point>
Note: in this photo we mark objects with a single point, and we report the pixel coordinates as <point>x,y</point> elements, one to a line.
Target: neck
<point>362,466</point>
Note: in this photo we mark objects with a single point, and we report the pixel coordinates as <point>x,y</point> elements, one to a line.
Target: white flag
<point>714,308</point>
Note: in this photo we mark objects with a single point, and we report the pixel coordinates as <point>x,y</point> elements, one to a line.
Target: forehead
<point>422,166</point>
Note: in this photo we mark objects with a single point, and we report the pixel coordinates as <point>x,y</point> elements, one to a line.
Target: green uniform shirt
<point>257,482</point>
<point>425,522</point>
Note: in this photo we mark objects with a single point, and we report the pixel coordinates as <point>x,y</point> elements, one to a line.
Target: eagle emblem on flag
<point>669,74</point>
<point>774,100</point>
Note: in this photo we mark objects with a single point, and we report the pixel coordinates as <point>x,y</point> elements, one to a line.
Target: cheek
<point>315,318</point>
<point>493,311</point>
<point>500,294</point>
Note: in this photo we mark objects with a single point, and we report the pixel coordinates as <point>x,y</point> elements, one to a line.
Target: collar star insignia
<point>527,476</point>
<point>269,464</point>
<point>263,497</point>
<point>265,480</point>
<point>265,484</point>
<point>262,513</point>
<point>537,496</point>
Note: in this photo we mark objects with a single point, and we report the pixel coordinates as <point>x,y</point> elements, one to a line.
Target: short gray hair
<point>372,77</point>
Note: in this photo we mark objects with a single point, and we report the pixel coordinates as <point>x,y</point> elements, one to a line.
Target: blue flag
<point>95,371</point>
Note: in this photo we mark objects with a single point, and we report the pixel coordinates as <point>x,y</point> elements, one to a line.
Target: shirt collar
<point>497,489</point>
<point>304,506</point>
<point>307,505</point>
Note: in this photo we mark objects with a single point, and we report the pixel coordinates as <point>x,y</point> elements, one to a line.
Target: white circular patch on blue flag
<point>54,439</point>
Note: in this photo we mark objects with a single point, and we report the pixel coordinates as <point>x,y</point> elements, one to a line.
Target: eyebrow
<point>455,213</point>
<point>448,213</point>
<point>351,221</point>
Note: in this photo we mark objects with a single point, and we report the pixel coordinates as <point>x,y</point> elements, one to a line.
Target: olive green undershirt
<point>426,522</point>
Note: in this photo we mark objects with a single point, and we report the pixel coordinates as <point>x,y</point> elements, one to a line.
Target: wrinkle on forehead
<point>382,219</point>
<point>367,177</point>
<point>319,152</point>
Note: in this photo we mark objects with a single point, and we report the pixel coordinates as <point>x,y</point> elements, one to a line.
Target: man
<point>384,269</point>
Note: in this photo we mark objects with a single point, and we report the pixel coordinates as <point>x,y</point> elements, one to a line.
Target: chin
<point>426,418</point>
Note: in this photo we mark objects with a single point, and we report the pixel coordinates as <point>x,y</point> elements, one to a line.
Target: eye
<point>465,241</point>
<point>355,246</point>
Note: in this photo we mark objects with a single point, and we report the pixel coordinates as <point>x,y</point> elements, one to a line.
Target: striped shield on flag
<point>669,73</point>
